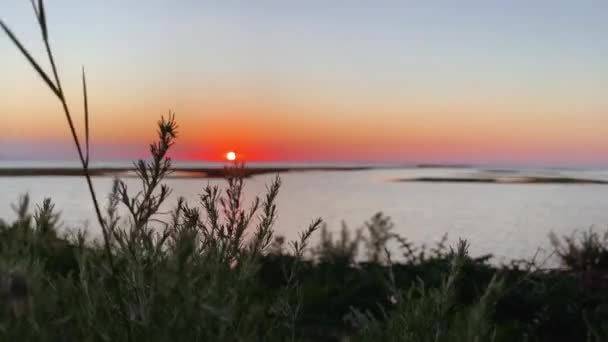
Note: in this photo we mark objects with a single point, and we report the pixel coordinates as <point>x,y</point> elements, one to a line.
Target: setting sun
<point>231,156</point>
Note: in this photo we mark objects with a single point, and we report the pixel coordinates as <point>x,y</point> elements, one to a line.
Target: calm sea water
<point>508,220</point>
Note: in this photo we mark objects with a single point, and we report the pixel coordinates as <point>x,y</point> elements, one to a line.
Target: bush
<point>435,314</point>
<point>584,251</point>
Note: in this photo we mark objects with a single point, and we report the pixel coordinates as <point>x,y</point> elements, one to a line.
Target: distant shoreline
<point>178,172</point>
<point>504,180</point>
<point>501,177</point>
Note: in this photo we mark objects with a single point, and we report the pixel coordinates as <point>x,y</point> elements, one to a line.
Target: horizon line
<point>378,164</point>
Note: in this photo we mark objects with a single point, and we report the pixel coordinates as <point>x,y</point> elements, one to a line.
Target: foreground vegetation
<point>217,271</point>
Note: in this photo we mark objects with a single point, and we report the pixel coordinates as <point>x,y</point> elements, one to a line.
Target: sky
<point>483,82</point>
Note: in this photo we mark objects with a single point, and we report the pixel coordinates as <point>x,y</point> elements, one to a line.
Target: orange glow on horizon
<point>290,130</point>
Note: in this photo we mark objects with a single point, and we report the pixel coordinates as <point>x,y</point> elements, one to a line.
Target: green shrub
<point>435,314</point>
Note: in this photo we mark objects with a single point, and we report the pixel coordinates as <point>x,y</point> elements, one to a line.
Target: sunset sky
<point>489,82</point>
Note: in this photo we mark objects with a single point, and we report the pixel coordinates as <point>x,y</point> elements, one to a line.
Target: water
<point>508,220</point>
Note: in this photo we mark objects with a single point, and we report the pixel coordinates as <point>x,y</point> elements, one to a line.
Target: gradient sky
<point>492,82</point>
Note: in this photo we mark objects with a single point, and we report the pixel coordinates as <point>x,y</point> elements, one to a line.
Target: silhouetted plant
<point>583,251</point>
<point>56,88</point>
<point>343,251</point>
<point>379,229</point>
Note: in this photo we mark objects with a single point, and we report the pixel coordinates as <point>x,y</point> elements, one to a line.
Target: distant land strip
<point>178,172</point>
<point>504,180</point>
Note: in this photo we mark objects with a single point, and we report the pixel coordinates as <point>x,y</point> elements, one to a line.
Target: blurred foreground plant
<point>583,251</point>
<point>56,88</point>
<point>435,314</point>
<point>188,275</point>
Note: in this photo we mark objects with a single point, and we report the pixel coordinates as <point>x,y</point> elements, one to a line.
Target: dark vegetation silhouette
<point>216,271</point>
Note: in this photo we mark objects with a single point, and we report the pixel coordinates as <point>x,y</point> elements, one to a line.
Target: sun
<point>231,156</point>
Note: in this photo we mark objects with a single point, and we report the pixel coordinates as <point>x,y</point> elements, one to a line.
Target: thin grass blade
<point>33,2</point>
<point>86,116</point>
<point>30,59</point>
<point>42,19</point>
